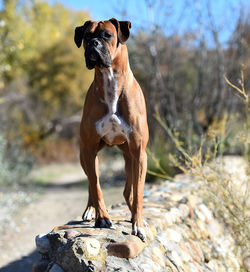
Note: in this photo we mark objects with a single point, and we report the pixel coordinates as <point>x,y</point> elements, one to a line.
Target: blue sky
<point>174,16</point>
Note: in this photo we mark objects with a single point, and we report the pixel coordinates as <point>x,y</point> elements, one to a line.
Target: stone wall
<point>182,235</point>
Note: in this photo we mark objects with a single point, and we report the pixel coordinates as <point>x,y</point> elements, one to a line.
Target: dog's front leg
<point>89,212</point>
<point>89,161</point>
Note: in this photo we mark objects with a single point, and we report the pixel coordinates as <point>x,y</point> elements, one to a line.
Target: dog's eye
<point>107,35</point>
<point>87,36</point>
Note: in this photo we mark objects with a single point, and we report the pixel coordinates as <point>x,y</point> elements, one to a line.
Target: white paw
<point>140,232</point>
<point>89,214</point>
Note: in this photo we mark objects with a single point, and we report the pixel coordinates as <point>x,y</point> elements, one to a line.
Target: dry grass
<point>226,182</point>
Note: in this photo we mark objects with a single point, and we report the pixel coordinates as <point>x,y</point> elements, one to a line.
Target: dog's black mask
<point>96,53</point>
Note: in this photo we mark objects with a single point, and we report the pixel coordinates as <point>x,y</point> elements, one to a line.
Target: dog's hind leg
<point>128,190</point>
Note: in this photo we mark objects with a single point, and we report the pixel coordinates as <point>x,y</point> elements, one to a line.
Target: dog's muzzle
<point>96,53</point>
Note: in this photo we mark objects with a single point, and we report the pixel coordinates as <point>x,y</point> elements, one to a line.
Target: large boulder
<point>182,235</point>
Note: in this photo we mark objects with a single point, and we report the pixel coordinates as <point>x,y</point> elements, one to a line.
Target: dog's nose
<point>94,42</point>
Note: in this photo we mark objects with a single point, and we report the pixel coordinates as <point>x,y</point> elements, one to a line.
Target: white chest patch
<point>112,124</point>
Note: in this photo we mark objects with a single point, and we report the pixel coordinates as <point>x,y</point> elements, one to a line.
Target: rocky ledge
<point>182,235</point>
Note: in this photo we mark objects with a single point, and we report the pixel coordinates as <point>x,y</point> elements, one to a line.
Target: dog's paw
<point>140,232</point>
<point>89,214</point>
<point>103,223</point>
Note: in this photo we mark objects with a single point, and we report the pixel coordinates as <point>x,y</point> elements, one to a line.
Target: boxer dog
<point>114,113</point>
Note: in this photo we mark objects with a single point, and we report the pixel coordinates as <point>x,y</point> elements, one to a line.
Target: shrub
<point>226,194</point>
<point>14,164</point>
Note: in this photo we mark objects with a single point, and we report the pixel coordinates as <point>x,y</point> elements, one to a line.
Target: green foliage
<point>159,163</point>
<point>14,164</point>
<point>42,74</point>
<point>9,37</point>
<point>58,80</point>
<point>27,28</point>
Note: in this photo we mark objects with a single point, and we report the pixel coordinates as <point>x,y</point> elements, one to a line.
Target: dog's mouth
<point>95,57</point>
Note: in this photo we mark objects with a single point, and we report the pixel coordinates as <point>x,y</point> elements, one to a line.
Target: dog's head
<point>101,40</point>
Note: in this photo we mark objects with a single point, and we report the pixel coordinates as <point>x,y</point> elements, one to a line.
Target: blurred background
<point>184,53</point>
<point>180,52</point>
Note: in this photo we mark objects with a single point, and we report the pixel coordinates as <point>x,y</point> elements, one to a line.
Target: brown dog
<point>114,114</point>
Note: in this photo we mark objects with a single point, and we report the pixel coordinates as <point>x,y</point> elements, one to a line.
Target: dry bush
<point>56,150</point>
<point>226,179</point>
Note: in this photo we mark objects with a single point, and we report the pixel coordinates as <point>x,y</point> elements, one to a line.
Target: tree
<point>42,77</point>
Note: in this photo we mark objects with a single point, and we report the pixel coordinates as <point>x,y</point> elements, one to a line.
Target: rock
<point>191,210</point>
<point>123,250</point>
<point>206,212</point>
<point>246,263</point>
<point>171,265</point>
<point>184,210</point>
<point>91,248</point>
<point>182,235</point>
<point>163,239</point>
<point>192,267</point>
<point>233,263</point>
<point>185,256</point>
<point>148,267</point>
<point>199,214</point>
<point>157,256</point>
<point>168,218</point>
<point>194,200</point>
<point>42,244</point>
<point>177,259</point>
<point>173,235</point>
<point>194,251</point>
<point>40,266</point>
<point>177,196</point>
<point>56,268</point>
<point>153,210</point>
<point>203,229</point>
<point>151,232</point>
<point>214,228</point>
<point>176,214</point>
<point>213,265</point>
<point>69,234</point>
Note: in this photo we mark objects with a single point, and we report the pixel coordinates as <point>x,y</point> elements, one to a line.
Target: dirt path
<point>64,198</point>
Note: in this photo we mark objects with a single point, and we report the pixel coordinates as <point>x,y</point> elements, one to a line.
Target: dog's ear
<point>79,33</point>
<point>122,28</point>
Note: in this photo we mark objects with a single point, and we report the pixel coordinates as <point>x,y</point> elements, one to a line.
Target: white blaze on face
<point>112,124</point>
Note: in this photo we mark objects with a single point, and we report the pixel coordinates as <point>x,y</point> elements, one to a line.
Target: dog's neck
<point>120,63</point>
<point>110,89</point>
<point>111,76</point>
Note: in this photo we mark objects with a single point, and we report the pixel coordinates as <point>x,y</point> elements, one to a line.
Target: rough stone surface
<point>56,268</point>
<point>42,243</point>
<point>182,235</point>
<point>41,266</point>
